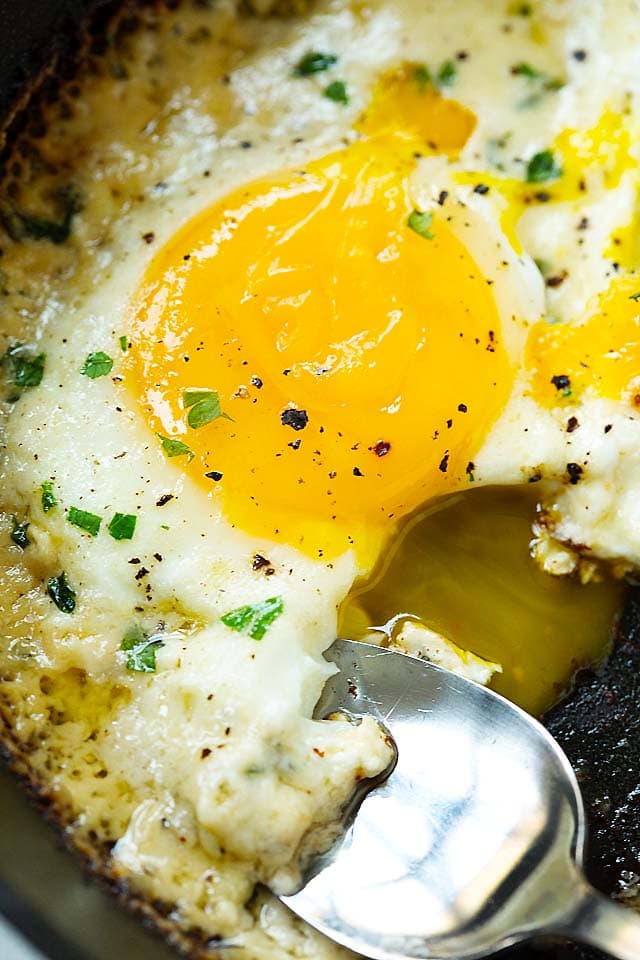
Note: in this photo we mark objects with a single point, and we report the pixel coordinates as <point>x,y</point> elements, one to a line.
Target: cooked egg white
<point>293,306</point>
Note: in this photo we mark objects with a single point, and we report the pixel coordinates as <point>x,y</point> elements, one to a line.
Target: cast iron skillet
<point>42,890</point>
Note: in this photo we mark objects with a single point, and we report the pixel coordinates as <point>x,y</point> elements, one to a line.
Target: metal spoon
<point>475,841</point>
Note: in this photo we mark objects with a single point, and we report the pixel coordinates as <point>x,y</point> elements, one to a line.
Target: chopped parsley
<point>20,225</point>
<point>123,526</point>
<point>86,521</point>
<point>255,618</point>
<point>542,166</point>
<point>124,343</point>
<point>19,534</point>
<point>420,223</point>
<point>203,406</point>
<point>314,62</point>
<point>61,592</point>
<point>27,370</point>
<point>141,649</point>
<point>635,296</point>
<point>337,91</point>
<point>447,74</point>
<point>96,365</point>
<point>422,75</point>
<point>48,498</point>
<point>526,70</point>
<point>175,448</point>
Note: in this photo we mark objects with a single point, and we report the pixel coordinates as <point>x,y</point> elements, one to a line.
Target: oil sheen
<point>463,567</point>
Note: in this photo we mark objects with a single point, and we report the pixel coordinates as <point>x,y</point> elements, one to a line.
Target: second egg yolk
<point>352,347</point>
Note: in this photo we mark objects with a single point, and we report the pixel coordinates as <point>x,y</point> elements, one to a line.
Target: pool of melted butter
<point>463,567</point>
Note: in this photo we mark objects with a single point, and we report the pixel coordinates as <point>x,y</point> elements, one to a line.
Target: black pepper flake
<point>572,424</point>
<point>462,408</point>
<point>256,382</point>
<point>444,463</point>
<point>557,279</point>
<point>381,448</point>
<point>481,188</point>
<point>148,237</point>
<point>246,144</point>
<point>295,444</point>
<point>258,562</point>
<point>296,419</point>
<point>158,557</point>
<point>574,472</point>
<point>357,472</point>
<point>580,55</point>
<point>206,752</point>
<point>608,427</point>
<point>561,381</point>
<point>442,197</point>
<point>164,499</point>
<point>583,223</point>
<point>535,477</point>
<point>134,560</point>
<point>542,196</point>
<point>470,467</point>
<point>214,475</point>
<point>142,572</point>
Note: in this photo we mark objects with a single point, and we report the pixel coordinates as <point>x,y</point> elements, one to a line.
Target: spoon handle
<point>607,925</point>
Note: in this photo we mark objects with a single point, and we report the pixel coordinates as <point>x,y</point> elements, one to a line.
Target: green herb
<point>526,70</point>
<point>255,618</point>
<point>88,522</point>
<point>96,365</point>
<point>337,91</point>
<point>542,166</point>
<point>447,74</point>
<point>164,526</point>
<point>122,526</point>
<point>62,594</point>
<point>421,224</point>
<point>124,343</point>
<point>175,448</point>
<point>422,75</point>
<point>19,534</point>
<point>203,406</point>
<point>48,497</point>
<point>20,225</point>
<point>141,649</point>
<point>635,296</point>
<point>26,369</point>
<point>254,771</point>
<point>314,62</point>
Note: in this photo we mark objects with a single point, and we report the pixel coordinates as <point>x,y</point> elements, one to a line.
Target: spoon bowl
<point>473,843</point>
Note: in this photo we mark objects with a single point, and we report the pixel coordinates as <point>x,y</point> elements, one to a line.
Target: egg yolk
<point>351,345</point>
<point>601,354</point>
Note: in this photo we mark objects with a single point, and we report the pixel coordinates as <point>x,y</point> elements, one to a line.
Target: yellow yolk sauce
<point>463,567</point>
<point>353,346</point>
<point>602,353</point>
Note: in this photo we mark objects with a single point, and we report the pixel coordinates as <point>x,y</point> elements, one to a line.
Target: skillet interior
<point>42,891</point>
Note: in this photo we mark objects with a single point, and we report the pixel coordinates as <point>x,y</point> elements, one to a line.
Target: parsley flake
<point>314,62</point>
<point>255,618</point>
<point>175,448</point>
<point>337,91</point>
<point>96,365</point>
<point>422,75</point>
<point>48,498</point>
<point>86,521</point>
<point>62,593</point>
<point>542,166</point>
<point>124,343</point>
<point>635,296</point>
<point>122,526</point>
<point>447,74</point>
<point>141,649</point>
<point>420,223</point>
<point>19,534</point>
<point>203,406</point>
<point>27,370</point>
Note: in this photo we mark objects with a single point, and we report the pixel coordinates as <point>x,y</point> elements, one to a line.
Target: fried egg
<point>286,300</point>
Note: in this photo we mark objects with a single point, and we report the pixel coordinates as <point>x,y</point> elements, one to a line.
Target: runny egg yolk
<point>601,355</point>
<point>355,350</point>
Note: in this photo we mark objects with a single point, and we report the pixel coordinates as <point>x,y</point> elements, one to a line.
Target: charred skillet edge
<point>193,944</point>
